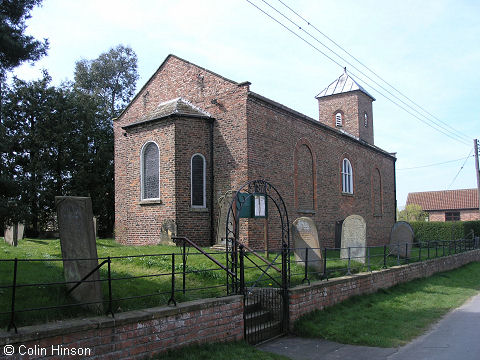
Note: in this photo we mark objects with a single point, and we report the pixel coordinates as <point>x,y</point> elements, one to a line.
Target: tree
<point>112,77</point>
<point>109,82</point>
<point>15,46</point>
<point>412,212</point>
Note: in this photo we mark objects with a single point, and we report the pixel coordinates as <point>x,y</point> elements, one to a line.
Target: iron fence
<point>183,275</point>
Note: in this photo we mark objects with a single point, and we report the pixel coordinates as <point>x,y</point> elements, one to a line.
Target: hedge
<point>450,230</point>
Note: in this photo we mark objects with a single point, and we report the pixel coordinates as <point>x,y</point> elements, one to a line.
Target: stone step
<point>257,317</point>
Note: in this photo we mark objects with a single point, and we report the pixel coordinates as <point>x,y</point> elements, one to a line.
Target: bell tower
<point>347,107</point>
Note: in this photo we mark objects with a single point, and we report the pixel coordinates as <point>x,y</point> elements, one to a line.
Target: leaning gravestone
<point>354,236</point>
<point>77,240</point>
<point>305,236</point>
<point>167,231</point>
<point>401,234</point>
<point>14,233</point>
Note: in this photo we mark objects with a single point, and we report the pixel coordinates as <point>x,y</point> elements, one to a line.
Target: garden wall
<point>318,295</point>
<point>130,335</point>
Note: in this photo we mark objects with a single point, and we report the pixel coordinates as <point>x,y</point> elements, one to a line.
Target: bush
<point>434,231</point>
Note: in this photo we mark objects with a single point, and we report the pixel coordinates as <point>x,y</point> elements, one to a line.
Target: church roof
<point>176,107</point>
<point>342,85</point>
<point>445,200</point>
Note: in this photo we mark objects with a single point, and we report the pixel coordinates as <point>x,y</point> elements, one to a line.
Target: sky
<point>428,50</point>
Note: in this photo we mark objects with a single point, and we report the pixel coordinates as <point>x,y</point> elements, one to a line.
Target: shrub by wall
<point>451,230</point>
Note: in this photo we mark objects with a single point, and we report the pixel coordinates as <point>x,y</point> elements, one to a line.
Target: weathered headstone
<point>354,237</point>
<point>223,206</point>
<point>167,231</point>
<point>14,233</point>
<point>305,236</point>
<point>401,234</point>
<point>77,240</point>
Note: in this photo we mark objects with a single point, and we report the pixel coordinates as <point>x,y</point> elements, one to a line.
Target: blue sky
<point>429,50</point>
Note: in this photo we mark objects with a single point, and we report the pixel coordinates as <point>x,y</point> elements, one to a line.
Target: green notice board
<point>253,205</point>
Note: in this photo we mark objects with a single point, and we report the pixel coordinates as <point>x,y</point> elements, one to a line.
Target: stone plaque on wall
<point>77,240</point>
<point>354,236</point>
<point>14,233</point>
<point>305,235</point>
<point>401,234</point>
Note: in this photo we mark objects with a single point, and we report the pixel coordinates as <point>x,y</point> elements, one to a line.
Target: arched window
<point>197,181</point>
<point>338,119</point>
<point>347,177</point>
<point>150,171</point>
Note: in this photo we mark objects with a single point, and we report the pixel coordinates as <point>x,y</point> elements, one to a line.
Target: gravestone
<point>14,233</point>
<point>167,231</point>
<point>77,240</point>
<point>305,235</point>
<point>354,236</point>
<point>223,206</point>
<point>401,234</point>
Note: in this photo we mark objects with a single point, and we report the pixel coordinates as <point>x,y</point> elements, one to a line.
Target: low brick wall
<point>318,295</point>
<point>130,335</point>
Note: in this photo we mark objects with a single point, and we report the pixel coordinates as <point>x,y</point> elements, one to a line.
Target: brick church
<point>191,135</point>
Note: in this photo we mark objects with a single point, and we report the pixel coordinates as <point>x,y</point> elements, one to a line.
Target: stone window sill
<point>347,194</point>
<point>150,202</point>
<point>199,209</point>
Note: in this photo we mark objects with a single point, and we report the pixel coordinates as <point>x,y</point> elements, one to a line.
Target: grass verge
<point>230,351</point>
<point>393,317</point>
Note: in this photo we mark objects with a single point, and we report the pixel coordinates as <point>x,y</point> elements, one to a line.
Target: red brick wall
<point>317,296</point>
<point>136,334</point>
<point>272,139</point>
<point>224,100</point>
<point>353,105</point>
<point>465,215</point>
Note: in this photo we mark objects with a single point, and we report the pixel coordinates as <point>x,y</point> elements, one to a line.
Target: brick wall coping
<point>37,332</point>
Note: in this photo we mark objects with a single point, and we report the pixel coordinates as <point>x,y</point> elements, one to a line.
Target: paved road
<point>456,336</point>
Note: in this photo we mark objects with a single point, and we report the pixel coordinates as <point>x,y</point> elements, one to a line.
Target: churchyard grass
<point>206,279</point>
<point>393,317</point>
<point>231,351</point>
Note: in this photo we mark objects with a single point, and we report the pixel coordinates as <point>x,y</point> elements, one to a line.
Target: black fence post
<point>172,295</point>
<point>184,260</point>
<point>407,259</point>
<point>398,253</point>
<point>436,249</point>
<point>368,258</point>
<point>348,264</point>
<point>443,247</point>
<point>110,308</point>
<point>324,263</point>
<point>306,268</point>
<point>419,251</point>
<point>454,246</point>
<point>384,256</point>
<point>12,318</point>
<point>428,249</point>
<point>242,270</point>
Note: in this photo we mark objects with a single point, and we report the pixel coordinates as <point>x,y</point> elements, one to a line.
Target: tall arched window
<point>197,181</point>
<point>150,171</point>
<point>347,177</point>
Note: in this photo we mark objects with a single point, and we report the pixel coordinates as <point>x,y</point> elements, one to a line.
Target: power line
<point>430,123</point>
<point>430,165</point>
<point>371,71</point>
<point>455,178</point>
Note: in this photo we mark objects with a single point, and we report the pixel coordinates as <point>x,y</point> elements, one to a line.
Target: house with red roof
<point>448,205</point>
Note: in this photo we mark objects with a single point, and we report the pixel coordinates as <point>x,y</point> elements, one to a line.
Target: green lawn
<point>393,317</point>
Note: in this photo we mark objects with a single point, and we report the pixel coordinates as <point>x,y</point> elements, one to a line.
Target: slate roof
<point>178,107</point>
<point>445,200</point>
<point>342,85</point>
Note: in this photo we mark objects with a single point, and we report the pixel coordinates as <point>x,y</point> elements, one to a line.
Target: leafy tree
<point>112,77</point>
<point>412,212</point>
<point>15,48</point>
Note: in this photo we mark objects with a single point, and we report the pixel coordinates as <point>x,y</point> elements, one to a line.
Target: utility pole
<point>475,149</point>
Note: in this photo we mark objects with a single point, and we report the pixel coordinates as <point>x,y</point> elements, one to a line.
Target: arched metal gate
<point>263,282</point>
